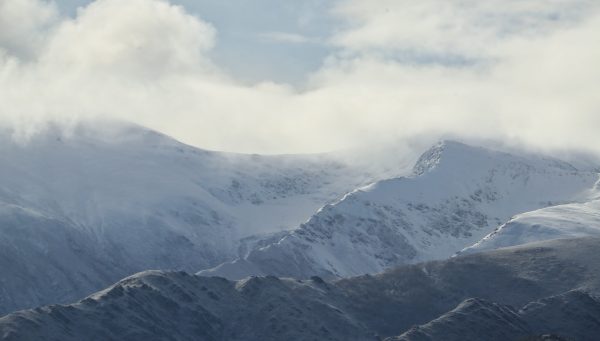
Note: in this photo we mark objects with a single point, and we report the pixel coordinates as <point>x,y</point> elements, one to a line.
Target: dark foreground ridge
<point>519,293</point>
<point>574,313</point>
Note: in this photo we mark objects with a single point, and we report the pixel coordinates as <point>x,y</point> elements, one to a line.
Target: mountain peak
<point>457,157</point>
<point>432,157</point>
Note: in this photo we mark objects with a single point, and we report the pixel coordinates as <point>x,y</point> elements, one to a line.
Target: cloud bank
<point>520,71</point>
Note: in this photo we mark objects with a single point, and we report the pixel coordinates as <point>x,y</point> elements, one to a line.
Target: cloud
<point>520,71</point>
<point>134,38</point>
<point>457,27</point>
<point>24,25</point>
<point>103,62</point>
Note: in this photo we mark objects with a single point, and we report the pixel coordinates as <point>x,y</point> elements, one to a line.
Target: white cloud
<point>146,61</point>
<point>139,37</point>
<point>450,30</point>
<point>104,62</point>
<point>24,25</point>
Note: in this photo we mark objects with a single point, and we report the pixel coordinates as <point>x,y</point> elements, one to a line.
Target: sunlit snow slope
<point>457,195</point>
<point>562,221</point>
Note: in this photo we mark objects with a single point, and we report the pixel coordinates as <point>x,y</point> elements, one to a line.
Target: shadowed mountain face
<point>456,196</point>
<point>177,306</point>
<point>473,319</point>
<point>575,314</point>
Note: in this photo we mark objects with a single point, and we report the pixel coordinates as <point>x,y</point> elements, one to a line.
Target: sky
<point>273,76</point>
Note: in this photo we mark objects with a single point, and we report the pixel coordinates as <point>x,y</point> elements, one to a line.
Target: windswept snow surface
<point>456,196</point>
<point>79,210</point>
<point>561,221</point>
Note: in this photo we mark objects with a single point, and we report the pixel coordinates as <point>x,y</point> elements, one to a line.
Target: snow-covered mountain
<point>157,305</point>
<point>561,221</point>
<point>456,196</point>
<point>81,209</point>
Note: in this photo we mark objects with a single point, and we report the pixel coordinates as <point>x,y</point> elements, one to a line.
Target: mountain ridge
<point>456,195</point>
<point>180,306</point>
